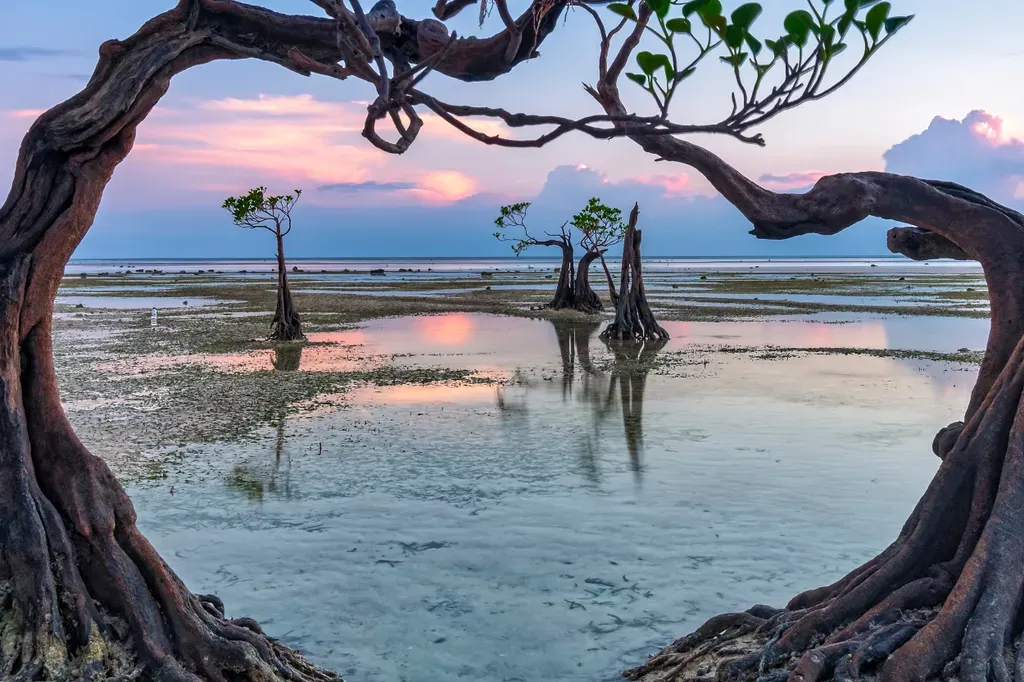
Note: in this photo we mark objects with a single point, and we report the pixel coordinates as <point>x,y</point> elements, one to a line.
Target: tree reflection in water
<point>256,480</point>
<point>287,357</point>
<point>633,360</point>
<point>599,389</point>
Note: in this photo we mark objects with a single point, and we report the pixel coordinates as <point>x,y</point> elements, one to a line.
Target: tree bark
<point>82,593</point>
<point>565,292</point>
<point>586,299</point>
<point>612,294</point>
<point>634,320</point>
<point>286,325</point>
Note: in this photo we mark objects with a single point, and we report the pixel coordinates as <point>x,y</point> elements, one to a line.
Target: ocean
<point>450,265</point>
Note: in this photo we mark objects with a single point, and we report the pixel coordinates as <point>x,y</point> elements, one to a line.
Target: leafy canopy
<point>811,38</point>
<point>600,226</point>
<point>258,209</point>
<point>513,217</point>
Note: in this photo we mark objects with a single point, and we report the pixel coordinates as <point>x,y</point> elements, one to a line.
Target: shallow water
<point>565,524</point>
<point>865,265</point>
<point>137,302</point>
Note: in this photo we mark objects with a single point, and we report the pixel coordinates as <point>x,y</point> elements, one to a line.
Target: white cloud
<point>973,152</point>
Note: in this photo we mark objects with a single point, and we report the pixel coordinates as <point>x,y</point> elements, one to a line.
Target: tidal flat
<point>446,482</point>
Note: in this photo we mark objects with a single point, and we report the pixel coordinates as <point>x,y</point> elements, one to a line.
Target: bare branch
<point>622,124</point>
<point>445,10</point>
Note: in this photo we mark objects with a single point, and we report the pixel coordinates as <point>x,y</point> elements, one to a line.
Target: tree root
<point>145,624</point>
<point>83,595</point>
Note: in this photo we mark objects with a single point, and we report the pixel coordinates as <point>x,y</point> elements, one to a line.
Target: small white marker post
<point>152,318</point>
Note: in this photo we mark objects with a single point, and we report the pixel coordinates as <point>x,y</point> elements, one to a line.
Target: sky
<point>936,102</point>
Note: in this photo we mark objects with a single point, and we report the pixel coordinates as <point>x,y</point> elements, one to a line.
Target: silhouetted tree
<point>255,210</point>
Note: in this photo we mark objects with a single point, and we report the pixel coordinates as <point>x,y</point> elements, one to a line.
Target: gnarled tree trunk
<point>586,298</point>
<point>565,292</point>
<point>634,320</point>
<point>82,592</point>
<point>612,294</point>
<point>286,325</point>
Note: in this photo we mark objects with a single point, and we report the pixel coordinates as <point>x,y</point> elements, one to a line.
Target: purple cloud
<point>973,152</point>
<point>24,54</point>
<point>800,180</point>
<point>368,186</point>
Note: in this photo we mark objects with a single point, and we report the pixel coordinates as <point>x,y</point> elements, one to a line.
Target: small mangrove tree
<point>256,210</point>
<point>600,227</point>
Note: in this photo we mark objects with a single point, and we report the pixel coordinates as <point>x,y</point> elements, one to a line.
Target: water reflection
<point>287,357</point>
<point>256,479</point>
<point>632,363</point>
<point>602,388</point>
<point>427,533</point>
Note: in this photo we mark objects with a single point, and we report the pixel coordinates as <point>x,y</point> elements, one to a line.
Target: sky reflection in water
<point>566,524</point>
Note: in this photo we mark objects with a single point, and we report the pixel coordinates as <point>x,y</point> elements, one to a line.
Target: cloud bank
<point>164,200</point>
<point>973,152</point>
<point>25,54</point>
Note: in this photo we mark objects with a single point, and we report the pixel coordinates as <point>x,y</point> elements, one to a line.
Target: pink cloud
<point>673,185</point>
<point>446,186</point>
<point>791,180</point>
<point>26,113</point>
<point>229,144</point>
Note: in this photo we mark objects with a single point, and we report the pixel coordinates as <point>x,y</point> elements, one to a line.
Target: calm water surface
<point>566,524</point>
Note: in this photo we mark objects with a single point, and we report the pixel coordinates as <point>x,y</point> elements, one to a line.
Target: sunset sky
<point>940,101</point>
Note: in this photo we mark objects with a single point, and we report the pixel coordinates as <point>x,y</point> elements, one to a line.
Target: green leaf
<point>693,6</point>
<point>623,10</point>
<point>659,7</point>
<point>828,35</point>
<point>744,15</point>
<point>836,49</point>
<point>893,24</point>
<point>754,44</point>
<point>777,46</point>
<point>685,73</point>
<point>735,59</point>
<point>650,62</point>
<point>712,8</point>
<point>718,23</point>
<point>844,25</point>
<point>679,25</point>
<point>646,61</point>
<point>798,25</point>
<point>637,78</point>
<point>734,36</point>
<point>876,17</point>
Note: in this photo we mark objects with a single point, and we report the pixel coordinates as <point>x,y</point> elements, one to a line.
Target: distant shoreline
<point>510,259</point>
<point>422,267</point>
